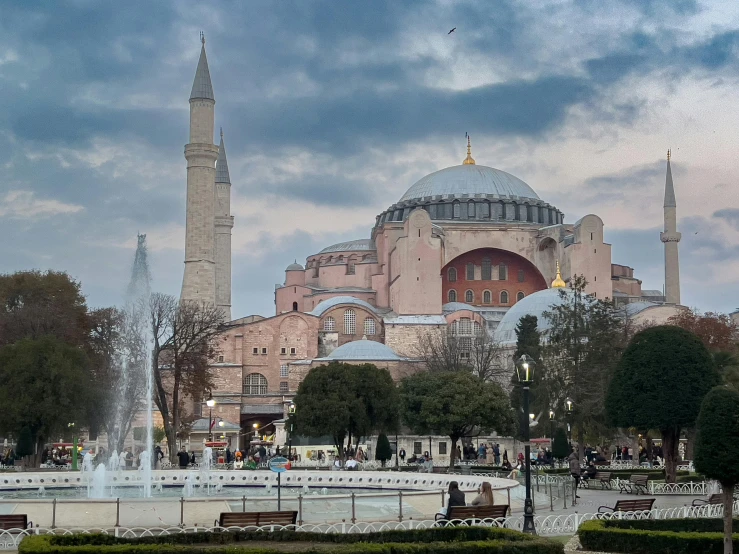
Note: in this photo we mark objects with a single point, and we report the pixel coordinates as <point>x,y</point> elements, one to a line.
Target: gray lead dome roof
<point>469,180</point>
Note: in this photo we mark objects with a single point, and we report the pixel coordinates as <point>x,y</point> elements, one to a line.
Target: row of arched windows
<point>350,324</point>
<point>486,272</point>
<point>480,210</point>
<point>487,296</point>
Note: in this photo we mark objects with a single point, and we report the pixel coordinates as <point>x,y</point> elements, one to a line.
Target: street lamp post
<point>569,406</point>
<point>525,372</point>
<point>210,403</point>
<point>551,426</point>
<point>74,446</point>
<point>291,415</point>
<point>256,430</point>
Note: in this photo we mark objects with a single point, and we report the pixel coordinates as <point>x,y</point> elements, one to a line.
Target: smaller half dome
<point>295,267</point>
<point>364,350</point>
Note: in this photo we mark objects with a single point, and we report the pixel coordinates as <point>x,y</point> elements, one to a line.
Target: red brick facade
<point>521,277</point>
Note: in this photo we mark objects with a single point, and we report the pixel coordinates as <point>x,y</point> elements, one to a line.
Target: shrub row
<point>597,535</point>
<point>697,525</point>
<point>445,540</point>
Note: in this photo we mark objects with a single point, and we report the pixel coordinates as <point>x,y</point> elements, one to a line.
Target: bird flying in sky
<point>450,32</point>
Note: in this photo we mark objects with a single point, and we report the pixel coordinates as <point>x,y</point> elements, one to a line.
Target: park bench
<point>715,498</point>
<point>14,521</point>
<point>474,512</point>
<point>644,504</point>
<point>256,519</point>
<point>602,477</point>
<point>635,484</point>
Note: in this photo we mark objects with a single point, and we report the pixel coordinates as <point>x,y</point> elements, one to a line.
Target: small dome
<point>469,179</point>
<point>351,246</point>
<point>533,304</point>
<point>295,267</point>
<point>364,350</point>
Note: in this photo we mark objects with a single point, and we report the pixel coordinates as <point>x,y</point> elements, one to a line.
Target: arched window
<point>452,295</point>
<point>504,297</point>
<point>487,297</point>
<point>470,210</point>
<point>519,296</point>
<point>350,322</point>
<point>451,274</point>
<point>470,271</point>
<point>329,324</point>
<point>456,210</point>
<point>255,384</point>
<point>295,306</point>
<point>469,297</point>
<point>369,326</point>
<point>465,326</point>
<point>487,270</point>
<point>503,272</point>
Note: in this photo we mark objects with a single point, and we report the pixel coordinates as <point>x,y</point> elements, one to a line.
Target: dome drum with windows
<point>471,192</point>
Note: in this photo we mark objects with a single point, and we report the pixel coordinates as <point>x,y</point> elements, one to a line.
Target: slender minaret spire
<point>224,222</point>
<point>198,282</point>
<point>670,237</point>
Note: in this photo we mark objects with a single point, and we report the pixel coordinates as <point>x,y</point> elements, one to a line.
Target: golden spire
<point>469,160</point>
<point>668,154</point>
<point>558,282</point>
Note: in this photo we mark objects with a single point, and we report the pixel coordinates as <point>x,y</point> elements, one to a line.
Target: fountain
<point>97,490</point>
<point>114,463</point>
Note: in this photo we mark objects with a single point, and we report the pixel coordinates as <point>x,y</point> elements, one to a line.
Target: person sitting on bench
<point>456,498</point>
<point>485,498</point>
<point>590,471</point>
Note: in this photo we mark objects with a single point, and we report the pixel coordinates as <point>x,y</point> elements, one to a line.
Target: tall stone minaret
<point>670,237</point>
<point>224,222</point>
<point>199,282</point>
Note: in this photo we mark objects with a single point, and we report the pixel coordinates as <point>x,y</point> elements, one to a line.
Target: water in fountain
<point>206,464</point>
<point>114,462</point>
<point>97,490</point>
<point>188,489</point>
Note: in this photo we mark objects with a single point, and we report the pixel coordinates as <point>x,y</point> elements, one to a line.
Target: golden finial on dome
<point>558,282</point>
<point>668,154</point>
<point>469,160</point>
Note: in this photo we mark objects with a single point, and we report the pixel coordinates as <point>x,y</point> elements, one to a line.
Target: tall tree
<point>585,340</point>
<point>528,341</point>
<point>560,446</point>
<point>185,341</point>
<point>34,304</point>
<point>716,448</point>
<point>464,346</point>
<point>384,451</point>
<point>454,403</point>
<point>46,384</point>
<point>344,401</point>
<point>716,331</point>
<point>660,382</point>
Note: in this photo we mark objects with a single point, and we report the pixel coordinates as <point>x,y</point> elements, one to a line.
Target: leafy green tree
<point>585,340</point>
<point>560,446</point>
<point>46,385</point>
<point>716,447</point>
<point>528,341</point>
<point>36,304</point>
<point>383,452</point>
<point>344,401</point>
<point>660,382</point>
<point>454,403</point>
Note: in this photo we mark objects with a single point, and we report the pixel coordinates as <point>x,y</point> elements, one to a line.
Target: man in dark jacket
<point>183,458</point>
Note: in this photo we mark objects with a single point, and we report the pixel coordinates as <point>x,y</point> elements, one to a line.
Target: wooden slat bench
<point>475,512</point>
<point>256,519</point>
<point>635,484</point>
<point>602,477</point>
<point>641,505</point>
<point>14,521</point>
<point>715,498</point>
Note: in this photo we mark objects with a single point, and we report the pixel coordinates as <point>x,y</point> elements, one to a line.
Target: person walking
<point>402,455</point>
<point>574,463</point>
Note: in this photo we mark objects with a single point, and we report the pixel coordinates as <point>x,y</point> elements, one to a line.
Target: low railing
<point>551,525</point>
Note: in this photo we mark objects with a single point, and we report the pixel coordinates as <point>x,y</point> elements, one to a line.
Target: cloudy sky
<point>332,109</point>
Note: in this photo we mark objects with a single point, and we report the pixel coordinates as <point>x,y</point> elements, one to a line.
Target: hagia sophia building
<point>467,246</point>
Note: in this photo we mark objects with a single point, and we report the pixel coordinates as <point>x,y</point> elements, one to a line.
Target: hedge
<point>600,535</point>
<point>442,540</point>
<point>697,525</point>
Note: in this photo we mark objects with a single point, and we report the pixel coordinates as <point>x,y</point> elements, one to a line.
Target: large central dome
<point>469,180</point>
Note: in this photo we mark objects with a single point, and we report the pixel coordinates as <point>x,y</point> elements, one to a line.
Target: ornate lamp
<point>525,373</point>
